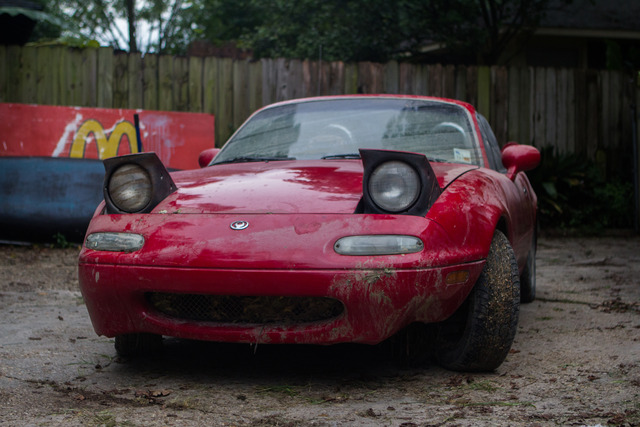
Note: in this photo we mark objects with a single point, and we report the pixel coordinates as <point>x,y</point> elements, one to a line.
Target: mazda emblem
<point>239,225</point>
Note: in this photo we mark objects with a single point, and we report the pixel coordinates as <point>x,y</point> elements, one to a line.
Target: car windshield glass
<point>338,128</point>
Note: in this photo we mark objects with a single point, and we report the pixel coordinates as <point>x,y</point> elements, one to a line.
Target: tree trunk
<point>131,18</point>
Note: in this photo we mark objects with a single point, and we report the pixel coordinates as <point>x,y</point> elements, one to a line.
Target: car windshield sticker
<point>461,155</point>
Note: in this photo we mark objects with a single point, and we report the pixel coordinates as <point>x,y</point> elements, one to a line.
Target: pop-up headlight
<point>135,183</point>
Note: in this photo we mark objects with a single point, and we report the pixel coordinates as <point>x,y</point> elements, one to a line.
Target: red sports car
<point>321,221</point>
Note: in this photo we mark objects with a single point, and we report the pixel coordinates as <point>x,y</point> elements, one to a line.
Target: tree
<point>351,30</point>
<point>378,30</point>
<point>147,25</point>
<point>477,30</point>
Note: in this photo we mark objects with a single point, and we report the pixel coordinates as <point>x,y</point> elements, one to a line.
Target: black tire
<point>479,335</point>
<point>528,277</point>
<point>135,345</point>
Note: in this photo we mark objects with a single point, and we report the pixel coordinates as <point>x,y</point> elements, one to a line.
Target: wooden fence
<point>578,111</point>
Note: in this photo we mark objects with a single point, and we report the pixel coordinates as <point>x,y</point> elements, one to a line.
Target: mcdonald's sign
<point>100,133</point>
<point>108,145</point>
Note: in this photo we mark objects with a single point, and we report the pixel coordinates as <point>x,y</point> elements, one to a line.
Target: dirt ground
<point>575,360</point>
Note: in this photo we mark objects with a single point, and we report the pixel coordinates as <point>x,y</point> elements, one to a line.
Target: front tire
<point>479,335</point>
<point>135,345</point>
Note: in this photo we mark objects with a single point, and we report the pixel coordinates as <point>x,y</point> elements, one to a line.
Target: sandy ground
<point>575,360</point>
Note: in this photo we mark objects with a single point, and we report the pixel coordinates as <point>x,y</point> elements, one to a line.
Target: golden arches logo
<point>107,145</point>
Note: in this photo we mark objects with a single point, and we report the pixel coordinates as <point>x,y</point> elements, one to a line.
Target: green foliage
<point>573,194</point>
<point>380,30</point>
<point>60,241</point>
<point>344,30</point>
<point>353,30</point>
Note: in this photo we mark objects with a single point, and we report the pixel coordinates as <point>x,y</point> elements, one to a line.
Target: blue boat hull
<point>43,196</point>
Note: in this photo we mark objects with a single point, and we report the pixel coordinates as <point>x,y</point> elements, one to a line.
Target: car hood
<point>313,186</point>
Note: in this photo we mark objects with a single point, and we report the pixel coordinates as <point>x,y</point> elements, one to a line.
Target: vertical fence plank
<point>310,78</point>
<point>120,80</point>
<point>500,103</point>
<point>296,81</point>
<point>449,81</point>
<point>337,83</point>
<point>472,86</point>
<point>391,77</point>
<point>539,116</point>
<point>351,78</point>
<point>135,82</point>
<point>224,114</point>
<point>526,85</point>
<point>181,84</point>
<point>570,121</point>
<point>483,103</point>
<point>282,79</point>
<point>165,83</point>
<point>210,84</point>
<point>617,152</point>
<point>592,117</point>
<point>560,123</point>
<point>61,81</point>
<point>255,86</point>
<point>461,83</point>
<point>150,82</point>
<point>268,81</point>
<point>195,84</point>
<point>434,86</point>
<point>240,92</point>
<point>44,76</point>
<point>370,78</point>
<point>603,134</point>
<point>105,78</point>
<point>28,71</point>
<point>515,106</point>
<point>88,77</point>
<point>580,121</point>
<point>405,78</point>
<point>210,95</point>
<point>14,54</point>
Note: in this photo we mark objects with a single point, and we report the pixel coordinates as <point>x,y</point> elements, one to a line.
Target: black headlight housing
<point>397,182</point>
<point>135,183</point>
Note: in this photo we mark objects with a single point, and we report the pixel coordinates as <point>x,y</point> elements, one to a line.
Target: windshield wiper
<point>342,156</point>
<point>245,159</point>
<point>437,160</point>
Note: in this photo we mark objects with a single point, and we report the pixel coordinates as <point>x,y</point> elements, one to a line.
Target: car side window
<point>491,145</point>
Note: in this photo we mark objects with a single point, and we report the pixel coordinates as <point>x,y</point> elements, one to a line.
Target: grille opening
<point>245,309</point>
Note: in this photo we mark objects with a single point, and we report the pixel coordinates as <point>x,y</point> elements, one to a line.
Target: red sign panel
<point>100,133</point>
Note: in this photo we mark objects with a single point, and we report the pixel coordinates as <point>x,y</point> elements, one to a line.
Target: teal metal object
<point>43,196</point>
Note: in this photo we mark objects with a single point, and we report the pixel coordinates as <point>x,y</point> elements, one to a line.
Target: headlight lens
<point>378,245</point>
<point>130,188</point>
<point>114,242</point>
<point>394,186</point>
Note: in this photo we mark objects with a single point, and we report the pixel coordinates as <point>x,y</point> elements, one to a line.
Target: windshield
<point>337,128</point>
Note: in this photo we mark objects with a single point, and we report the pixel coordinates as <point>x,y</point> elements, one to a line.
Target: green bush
<point>573,194</point>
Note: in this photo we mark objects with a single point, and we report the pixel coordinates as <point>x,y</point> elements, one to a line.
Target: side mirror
<point>519,158</point>
<point>206,156</point>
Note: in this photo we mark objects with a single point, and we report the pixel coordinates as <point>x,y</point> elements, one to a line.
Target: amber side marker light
<point>457,277</point>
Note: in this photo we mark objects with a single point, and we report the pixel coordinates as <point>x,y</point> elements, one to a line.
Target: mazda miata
<point>321,221</point>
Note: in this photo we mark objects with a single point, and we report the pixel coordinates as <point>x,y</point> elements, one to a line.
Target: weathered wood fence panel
<point>584,112</point>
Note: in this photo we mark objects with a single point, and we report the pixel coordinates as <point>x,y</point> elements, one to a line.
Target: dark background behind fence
<point>586,112</point>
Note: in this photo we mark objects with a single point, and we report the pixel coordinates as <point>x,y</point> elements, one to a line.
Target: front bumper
<point>280,256</point>
<point>377,302</point>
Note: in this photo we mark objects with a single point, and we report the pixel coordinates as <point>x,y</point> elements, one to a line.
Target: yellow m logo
<point>106,146</point>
